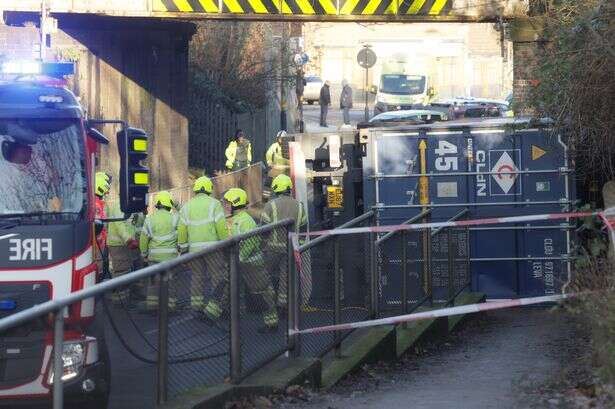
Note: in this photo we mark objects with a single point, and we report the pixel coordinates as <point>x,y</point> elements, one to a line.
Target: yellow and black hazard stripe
<point>396,7</point>
<point>294,7</point>
<point>309,7</point>
<point>187,6</point>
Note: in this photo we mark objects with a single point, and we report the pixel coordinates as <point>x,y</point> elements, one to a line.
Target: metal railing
<point>167,275</point>
<point>332,279</point>
<point>319,281</point>
<point>425,276</point>
<point>456,257</point>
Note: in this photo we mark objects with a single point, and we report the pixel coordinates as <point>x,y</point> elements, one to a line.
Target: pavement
<point>492,363</point>
<point>311,118</point>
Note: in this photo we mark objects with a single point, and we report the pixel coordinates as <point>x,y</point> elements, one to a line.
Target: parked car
<point>471,107</point>
<point>485,110</point>
<point>311,91</point>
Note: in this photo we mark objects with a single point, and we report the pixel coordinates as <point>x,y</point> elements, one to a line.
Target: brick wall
<point>525,55</point>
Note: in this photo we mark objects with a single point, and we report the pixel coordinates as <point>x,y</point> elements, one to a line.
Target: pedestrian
<point>158,243</point>
<point>346,101</point>
<point>324,101</point>
<point>238,152</point>
<point>251,258</point>
<point>283,206</point>
<point>123,249</point>
<point>274,157</point>
<point>201,224</point>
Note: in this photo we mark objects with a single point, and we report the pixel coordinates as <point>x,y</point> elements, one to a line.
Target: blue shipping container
<point>493,168</point>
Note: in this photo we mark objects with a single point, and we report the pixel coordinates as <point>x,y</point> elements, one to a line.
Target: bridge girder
<point>289,10</point>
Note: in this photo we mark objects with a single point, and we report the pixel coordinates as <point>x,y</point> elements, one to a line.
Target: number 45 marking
<point>444,162</point>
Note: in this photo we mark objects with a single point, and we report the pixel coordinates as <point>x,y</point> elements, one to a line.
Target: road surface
<point>498,363</point>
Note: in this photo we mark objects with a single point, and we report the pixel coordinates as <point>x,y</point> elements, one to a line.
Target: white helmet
<point>281,134</point>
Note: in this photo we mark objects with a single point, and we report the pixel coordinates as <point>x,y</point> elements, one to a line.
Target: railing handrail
<point>452,219</point>
<point>409,221</point>
<point>328,236</point>
<point>126,279</point>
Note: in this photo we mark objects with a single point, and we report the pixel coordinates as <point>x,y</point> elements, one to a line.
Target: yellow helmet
<point>281,183</point>
<point>203,184</point>
<point>164,199</point>
<point>236,197</point>
<point>104,175</point>
<point>102,185</point>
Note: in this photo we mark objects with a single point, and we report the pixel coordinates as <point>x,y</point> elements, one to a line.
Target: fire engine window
<point>42,167</point>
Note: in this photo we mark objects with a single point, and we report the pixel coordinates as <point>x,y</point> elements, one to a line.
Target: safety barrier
<point>440,270</point>
<point>321,286</point>
<point>334,286</point>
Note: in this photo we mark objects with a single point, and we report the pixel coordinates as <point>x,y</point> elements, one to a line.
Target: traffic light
<point>134,176</point>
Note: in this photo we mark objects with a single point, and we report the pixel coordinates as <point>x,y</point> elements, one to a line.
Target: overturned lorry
<point>445,171</point>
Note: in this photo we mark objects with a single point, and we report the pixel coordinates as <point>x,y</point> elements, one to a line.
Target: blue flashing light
<point>8,305</point>
<point>51,69</point>
<point>58,69</point>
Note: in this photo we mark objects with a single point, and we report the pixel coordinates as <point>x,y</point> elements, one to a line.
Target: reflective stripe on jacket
<point>231,154</point>
<point>201,222</point>
<point>249,249</point>
<point>158,241</point>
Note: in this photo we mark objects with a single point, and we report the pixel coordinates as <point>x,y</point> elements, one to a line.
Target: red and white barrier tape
<point>607,216</point>
<point>443,312</point>
<point>458,223</point>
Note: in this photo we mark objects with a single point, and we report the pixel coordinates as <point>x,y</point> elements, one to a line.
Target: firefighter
<point>282,206</point>
<point>274,157</point>
<point>251,259</point>
<point>238,152</point>
<point>122,247</point>
<point>202,223</point>
<point>158,243</point>
<point>102,187</point>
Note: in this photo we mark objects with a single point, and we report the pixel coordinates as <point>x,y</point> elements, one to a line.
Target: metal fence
<point>337,279</point>
<point>332,286</point>
<point>341,279</point>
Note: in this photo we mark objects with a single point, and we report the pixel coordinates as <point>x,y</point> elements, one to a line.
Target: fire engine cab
<point>48,230</point>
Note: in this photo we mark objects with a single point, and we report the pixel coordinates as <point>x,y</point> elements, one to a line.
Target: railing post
<point>337,302</point>
<point>163,339</point>
<point>373,276</point>
<point>294,341</point>
<point>58,364</point>
<point>451,266</point>
<point>235,315</point>
<point>404,274</point>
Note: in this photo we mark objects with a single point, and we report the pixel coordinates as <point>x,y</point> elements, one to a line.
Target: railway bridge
<point>132,55</point>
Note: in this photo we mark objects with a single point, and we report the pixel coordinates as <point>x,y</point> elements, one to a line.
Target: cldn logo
<point>30,249</point>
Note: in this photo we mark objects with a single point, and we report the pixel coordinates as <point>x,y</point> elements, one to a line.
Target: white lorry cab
<point>398,88</point>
